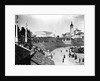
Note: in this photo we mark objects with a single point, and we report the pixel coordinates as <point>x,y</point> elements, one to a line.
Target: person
<point>64,56</point>
<point>79,60</point>
<point>51,56</point>
<point>66,51</point>
<point>75,56</point>
<point>69,52</point>
<point>83,60</point>
<point>63,59</point>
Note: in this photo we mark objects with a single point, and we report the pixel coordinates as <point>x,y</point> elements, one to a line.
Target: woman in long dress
<point>63,59</point>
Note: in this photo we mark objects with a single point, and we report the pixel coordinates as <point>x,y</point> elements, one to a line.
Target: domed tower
<point>71,29</point>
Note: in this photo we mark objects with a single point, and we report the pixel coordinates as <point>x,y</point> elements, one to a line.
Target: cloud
<point>79,22</point>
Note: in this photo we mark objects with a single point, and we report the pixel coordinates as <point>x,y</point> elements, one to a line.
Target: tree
<point>57,36</point>
<point>22,36</point>
<point>77,42</point>
<point>64,35</point>
<point>29,38</point>
<point>19,35</point>
<point>23,31</point>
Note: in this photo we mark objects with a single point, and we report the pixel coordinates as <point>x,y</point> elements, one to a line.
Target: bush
<point>79,50</point>
<point>77,42</point>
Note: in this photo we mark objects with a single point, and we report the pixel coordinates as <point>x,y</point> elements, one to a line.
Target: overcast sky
<point>57,24</point>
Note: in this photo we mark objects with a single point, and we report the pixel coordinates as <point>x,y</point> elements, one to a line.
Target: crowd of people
<point>72,54</point>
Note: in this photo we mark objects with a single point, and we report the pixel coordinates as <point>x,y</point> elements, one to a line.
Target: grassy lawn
<point>50,44</point>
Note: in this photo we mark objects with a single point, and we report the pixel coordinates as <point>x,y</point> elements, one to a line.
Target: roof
<point>79,33</point>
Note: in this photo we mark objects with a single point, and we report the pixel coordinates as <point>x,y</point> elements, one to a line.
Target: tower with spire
<point>71,29</point>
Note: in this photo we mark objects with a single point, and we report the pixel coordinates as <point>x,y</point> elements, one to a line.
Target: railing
<point>23,55</point>
<point>22,46</point>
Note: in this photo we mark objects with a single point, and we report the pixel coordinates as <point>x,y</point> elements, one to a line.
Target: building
<point>67,35</point>
<point>78,33</point>
<point>75,33</point>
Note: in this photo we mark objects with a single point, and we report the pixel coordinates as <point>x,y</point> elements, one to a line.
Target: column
<point>26,35</point>
<point>16,33</point>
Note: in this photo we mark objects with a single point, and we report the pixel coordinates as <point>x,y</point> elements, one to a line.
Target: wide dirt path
<point>58,55</point>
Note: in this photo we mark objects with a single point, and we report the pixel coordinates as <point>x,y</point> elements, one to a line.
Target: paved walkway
<point>58,55</point>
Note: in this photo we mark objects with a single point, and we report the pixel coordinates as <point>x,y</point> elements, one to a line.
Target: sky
<point>57,24</point>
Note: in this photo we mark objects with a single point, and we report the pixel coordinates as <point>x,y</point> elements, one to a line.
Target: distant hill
<point>48,33</point>
<point>43,33</point>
